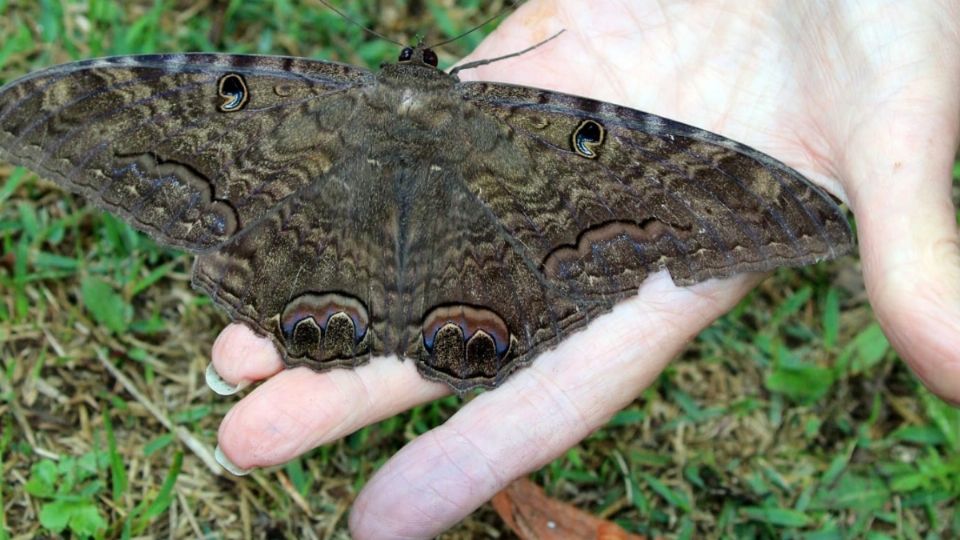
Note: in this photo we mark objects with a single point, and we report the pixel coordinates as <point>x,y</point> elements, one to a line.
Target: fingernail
<point>229,465</point>
<point>220,386</point>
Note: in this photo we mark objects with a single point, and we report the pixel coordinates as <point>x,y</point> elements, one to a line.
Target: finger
<point>298,409</point>
<point>240,357</point>
<point>909,242</point>
<point>543,410</point>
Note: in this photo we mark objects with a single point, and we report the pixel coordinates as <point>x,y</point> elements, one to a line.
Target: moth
<point>346,214</point>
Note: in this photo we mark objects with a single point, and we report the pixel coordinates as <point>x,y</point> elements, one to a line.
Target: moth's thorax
<point>415,76</point>
<point>416,105</point>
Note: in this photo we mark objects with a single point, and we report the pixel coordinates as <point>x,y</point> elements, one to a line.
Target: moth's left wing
<point>190,148</point>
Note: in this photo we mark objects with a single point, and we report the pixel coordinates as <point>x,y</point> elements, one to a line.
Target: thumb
<point>900,191</point>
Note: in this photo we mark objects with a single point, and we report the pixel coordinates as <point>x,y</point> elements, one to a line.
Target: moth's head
<point>419,55</point>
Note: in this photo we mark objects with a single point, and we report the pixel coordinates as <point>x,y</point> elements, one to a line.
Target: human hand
<point>860,98</point>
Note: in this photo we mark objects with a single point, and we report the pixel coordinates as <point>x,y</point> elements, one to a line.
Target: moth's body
<point>468,226</point>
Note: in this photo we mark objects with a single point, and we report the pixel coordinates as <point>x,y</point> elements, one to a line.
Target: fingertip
<point>279,420</point>
<point>239,356</point>
<point>910,249</point>
<point>922,320</point>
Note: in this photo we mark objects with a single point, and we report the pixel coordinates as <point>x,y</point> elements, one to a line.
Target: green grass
<point>790,417</point>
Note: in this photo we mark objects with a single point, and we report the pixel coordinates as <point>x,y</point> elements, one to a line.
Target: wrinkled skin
<point>860,96</point>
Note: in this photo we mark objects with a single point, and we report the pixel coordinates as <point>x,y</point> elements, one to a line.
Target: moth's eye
<point>430,57</point>
<point>406,54</point>
<point>233,89</point>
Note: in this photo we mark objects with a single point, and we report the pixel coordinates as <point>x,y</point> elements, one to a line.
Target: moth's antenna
<point>354,22</point>
<point>477,63</point>
<point>496,16</point>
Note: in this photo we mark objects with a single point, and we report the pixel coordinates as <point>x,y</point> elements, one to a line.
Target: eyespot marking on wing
<point>587,138</point>
<point>461,342</point>
<point>324,326</point>
<point>233,89</point>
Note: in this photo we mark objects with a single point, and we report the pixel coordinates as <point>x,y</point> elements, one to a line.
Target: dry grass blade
<point>198,447</point>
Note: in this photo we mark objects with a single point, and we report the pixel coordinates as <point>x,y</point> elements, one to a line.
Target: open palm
<point>860,97</point>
